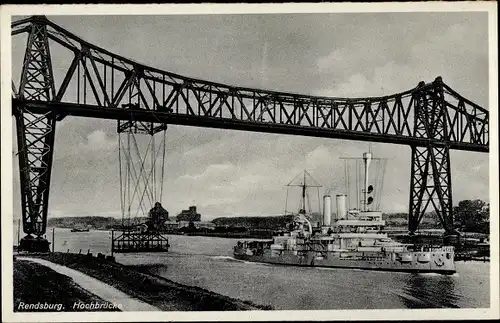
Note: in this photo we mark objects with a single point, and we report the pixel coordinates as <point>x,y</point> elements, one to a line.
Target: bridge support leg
<point>35,139</point>
<point>431,185</point>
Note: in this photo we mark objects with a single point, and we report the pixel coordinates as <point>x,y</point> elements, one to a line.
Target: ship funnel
<point>341,207</point>
<point>327,210</point>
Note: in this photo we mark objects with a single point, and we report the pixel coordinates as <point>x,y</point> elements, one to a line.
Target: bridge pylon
<point>35,138</point>
<point>431,170</point>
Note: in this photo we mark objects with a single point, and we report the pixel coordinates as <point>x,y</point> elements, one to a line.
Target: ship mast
<point>366,187</point>
<point>304,186</point>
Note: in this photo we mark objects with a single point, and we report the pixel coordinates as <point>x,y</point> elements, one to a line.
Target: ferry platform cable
<point>137,176</point>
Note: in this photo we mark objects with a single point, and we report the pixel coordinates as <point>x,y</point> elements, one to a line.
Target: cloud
<point>98,144</point>
<point>99,140</point>
<point>212,172</point>
<point>388,79</point>
<point>432,54</point>
<point>333,61</point>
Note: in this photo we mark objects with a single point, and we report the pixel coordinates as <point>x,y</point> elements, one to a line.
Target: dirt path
<point>40,289</point>
<point>97,287</point>
<point>147,287</point>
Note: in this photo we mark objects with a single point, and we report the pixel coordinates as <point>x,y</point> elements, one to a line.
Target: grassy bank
<point>35,283</point>
<point>145,286</point>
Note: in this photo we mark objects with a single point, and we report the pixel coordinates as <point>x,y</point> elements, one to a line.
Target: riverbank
<point>135,282</point>
<point>38,288</point>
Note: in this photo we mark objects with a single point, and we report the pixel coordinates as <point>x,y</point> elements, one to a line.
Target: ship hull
<point>439,262</point>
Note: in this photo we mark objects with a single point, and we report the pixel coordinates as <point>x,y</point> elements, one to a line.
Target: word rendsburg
<point>40,306</point>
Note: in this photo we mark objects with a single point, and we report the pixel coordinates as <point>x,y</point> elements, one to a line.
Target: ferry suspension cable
<point>134,176</point>
<point>142,172</point>
<point>139,176</point>
<point>149,191</point>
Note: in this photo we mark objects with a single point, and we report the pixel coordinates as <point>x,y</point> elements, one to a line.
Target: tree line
<point>468,215</point>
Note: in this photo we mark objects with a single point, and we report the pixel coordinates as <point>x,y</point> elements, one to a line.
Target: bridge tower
<point>430,169</point>
<point>35,137</point>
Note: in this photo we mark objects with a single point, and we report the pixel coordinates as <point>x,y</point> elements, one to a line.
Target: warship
<point>352,239</point>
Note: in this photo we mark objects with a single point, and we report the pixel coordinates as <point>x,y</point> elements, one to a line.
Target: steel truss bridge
<point>431,118</point>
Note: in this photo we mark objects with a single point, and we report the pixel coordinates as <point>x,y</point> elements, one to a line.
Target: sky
<point>235,173</point>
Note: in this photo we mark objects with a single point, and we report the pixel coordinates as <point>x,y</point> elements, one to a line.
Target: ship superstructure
<point>353,238</point>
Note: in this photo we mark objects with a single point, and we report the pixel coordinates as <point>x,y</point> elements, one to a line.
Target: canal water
<point>207,262</point>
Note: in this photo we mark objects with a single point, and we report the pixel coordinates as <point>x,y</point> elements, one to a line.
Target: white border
<point>6,166</point>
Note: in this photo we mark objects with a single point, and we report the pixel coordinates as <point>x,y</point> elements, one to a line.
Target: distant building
<point>171,226</point>
<point>189,215</point>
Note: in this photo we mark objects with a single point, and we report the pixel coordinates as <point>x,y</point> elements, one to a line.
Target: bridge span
<point>431,118</point>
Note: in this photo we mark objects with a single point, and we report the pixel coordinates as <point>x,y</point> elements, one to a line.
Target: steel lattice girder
<point>35,132</point>
<point>105,81</point>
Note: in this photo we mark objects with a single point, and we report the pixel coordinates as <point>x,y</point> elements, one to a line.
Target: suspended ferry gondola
<point>141,189</point>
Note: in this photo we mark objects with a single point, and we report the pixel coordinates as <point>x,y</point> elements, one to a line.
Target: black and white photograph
<point>238,162</point>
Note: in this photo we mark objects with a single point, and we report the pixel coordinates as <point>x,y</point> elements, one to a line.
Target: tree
<point>434,220</point>
<point>472,216</point>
